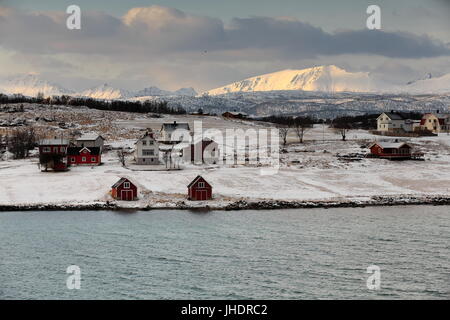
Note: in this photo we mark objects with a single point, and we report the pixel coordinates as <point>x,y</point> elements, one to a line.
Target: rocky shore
<point>398,200</point>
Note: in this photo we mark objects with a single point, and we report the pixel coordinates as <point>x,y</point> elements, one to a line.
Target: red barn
<point>199,189</point>
<point>124,189</point>
<point>53,154</point>
<point>391,150</point>
<point>84,156</point>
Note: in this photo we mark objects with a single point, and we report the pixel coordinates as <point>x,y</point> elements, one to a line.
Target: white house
<point>395,121</point>
<point>147,150</point>
<point>168,130</point>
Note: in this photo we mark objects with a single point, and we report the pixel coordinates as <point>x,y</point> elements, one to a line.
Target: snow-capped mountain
<point>107,92</point>
<point>429,85</point>
<point>31,85</point>
<point>156,92</point>
<point>324,78</point>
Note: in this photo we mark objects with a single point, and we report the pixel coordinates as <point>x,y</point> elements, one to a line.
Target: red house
<point>124,189</point>
<point>199,190</point>
<point>84,156</point>
<point>391,150</point>
<point>53,154</point>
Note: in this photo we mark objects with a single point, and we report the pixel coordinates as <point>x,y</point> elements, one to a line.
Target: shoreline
<point>375,201</point>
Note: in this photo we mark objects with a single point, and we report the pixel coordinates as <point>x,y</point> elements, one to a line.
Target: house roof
<point>175,125</point>
<point>396,115</point>
<point>53,142</point>
<point>195,181</point>
<point>234,113</point>
<point>90,137</point>
<point>121,180</point>
<point>147,134</point>
<point>390,144</point>
<point>73,151</point>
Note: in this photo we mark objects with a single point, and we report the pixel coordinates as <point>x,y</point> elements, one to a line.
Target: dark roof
<point>74,151</point>
<point>196,179</point>
<point>122,180</point>
<point>397,115</point>
<point>175,125</point>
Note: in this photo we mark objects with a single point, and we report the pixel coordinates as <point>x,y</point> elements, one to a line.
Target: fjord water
<point>277,254</point>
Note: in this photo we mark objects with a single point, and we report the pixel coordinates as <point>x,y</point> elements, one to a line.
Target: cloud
<point>159,30</point>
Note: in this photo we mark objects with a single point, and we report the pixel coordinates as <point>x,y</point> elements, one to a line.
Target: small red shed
<point>125,190</point>
<point>391,150</point>
<point>199,190</point>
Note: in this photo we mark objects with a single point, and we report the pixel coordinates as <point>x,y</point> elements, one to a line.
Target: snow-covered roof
<point>390,144</point>
<point>53,142</point>
<point>89,137</point>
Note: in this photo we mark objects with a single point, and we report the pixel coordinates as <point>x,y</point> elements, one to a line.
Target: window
<point>46,149</point>
<point>72,159</point>
<point>201,184</point>
<point>83,159</point>
<point>126,185</point>
<point>150,142</point>
<point>63,149</point>
<point>93,159</point>
<point>144,142</point>
<point>55,149</point>
<point>149,152</point>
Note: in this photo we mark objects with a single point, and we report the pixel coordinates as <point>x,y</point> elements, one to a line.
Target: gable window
<point>144,142</point>
<point>201,184</point>
<point>126,185</point>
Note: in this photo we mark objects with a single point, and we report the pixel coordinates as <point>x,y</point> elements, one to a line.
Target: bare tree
<point>301,125</point>
<point>342,128</point>
<point>121,156</point>
<point>283,131</point>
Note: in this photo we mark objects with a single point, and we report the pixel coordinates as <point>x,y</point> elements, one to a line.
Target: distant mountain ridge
<point>31,85</point>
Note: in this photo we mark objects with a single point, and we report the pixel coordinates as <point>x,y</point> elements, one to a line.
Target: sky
<point>205,44</point>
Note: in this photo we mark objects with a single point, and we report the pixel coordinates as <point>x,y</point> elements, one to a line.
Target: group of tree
<point>148,106</point>
<point>20,141</point>
<point>287,123</point>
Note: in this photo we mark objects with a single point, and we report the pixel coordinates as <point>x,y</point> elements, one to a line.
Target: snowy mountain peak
<point>106,92</point>
<point>328,78</point>
<point>31,85</point>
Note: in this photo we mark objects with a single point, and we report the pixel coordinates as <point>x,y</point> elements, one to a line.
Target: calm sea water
<point>284,254</point>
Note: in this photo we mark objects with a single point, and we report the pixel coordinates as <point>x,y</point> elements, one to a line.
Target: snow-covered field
<point>309,172</point>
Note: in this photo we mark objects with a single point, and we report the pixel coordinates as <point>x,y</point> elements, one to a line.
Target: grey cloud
<point>156,31</point>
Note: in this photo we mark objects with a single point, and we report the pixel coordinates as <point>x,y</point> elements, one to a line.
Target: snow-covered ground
<point>309,172</point>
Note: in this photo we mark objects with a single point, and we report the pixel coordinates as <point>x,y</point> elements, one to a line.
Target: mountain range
<point>326,79</point>
<point>31,85</point>
<point>331,79</point>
